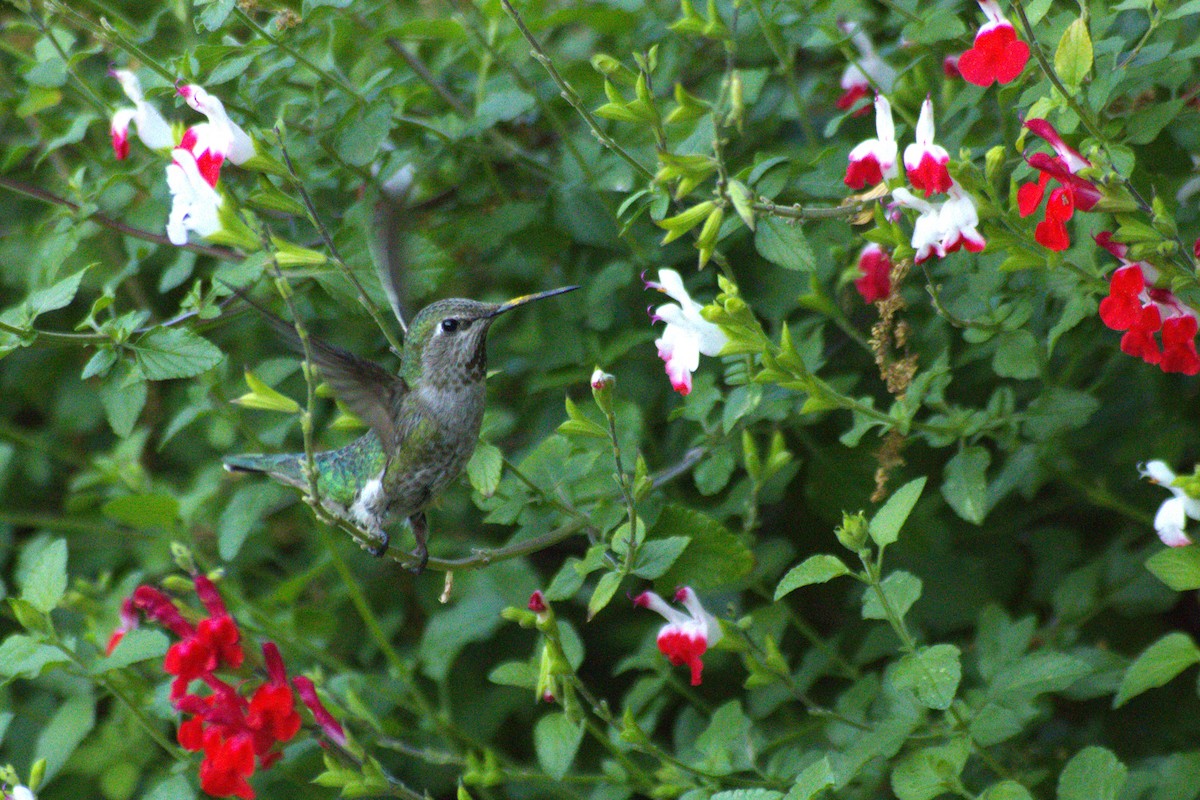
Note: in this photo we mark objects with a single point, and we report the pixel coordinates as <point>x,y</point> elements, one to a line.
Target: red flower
<point>685,637</point>
<point>876,267</point>
<point>924,161</point>
<point>872,160</point>
<point>997,55</point>
<point>226,766</point>
<point>1073,191</point>
<point>329,726</point>
<point>129,621</point>
<point>1179,345</point>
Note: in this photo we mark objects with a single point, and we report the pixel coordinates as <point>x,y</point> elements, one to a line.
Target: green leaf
<point>1036,673</point>
<point>931,674</point>
<point>22,656</point>
<point>123,401</point>
<point>964,483</point>
<point>167,353</point>
<point>54,297</point>
<point>556,740</point>
<point>1158,664</point>
<point>246,509</point>
<point>1177,567</point>
<point>784,244</point>
<point>901,588</point>
<point>748,794</point>
<point>1073,58</point>
<point>1006,790</point>
<point>820,568</point>
<point>725,743</point>
<point>215,13</point>
<point>812,781</point>
<point>714,558</point>
<point>654,557</point>
<point>888,520</point>
<point>514,673</point>
<point>360,139</point>
<point>143,510</point>
<point>1093,774</point>
<point>931,771</point>
<point>65,730</point>
<point>137,645</point>
<point>606,587</point>
<point>45,582</point>
<point>1018,355</point>
<point>485,468</point>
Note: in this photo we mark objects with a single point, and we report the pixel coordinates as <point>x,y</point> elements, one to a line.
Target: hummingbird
<point>423,422</point>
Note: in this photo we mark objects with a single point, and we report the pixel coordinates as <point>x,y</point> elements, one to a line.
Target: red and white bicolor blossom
<point>875,268</point>
<point>19,793</point>
<point>154,131</point>
<point>997,55</point>
<point>925,162</point>
<point>1072,192</point>
<point>241,146</point>
<point>686,636</point>
<point>1173,514</point>
<point>687,335</point>
<point>945,227</point>
<point>874,160</point>
<point>857,79</point>
<point>237,731</point>
<point>1141,309</point>
<point>195,203</point>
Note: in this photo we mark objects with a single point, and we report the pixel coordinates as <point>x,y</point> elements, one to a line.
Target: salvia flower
<point>241,148</point>
<point>329,726</point>
<point>686,636</point>
<point>875,266</point>
<point>129,621</point>
<point>1073,191</point>
<point>1140,309</point>
<point>873,160</point>
<point>997,55</point>
<point>154,131</point>
<point>924,161</point>
<point>195,204</point>
<point>687,336</point>
<point>857,79</point>
<point>1174,513</point>
<point>943,228</point>
<point>20,793</point>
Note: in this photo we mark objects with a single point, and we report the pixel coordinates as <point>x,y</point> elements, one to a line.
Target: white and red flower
<point>154,131</point>
<point>195,204</point>
<point>944,228</point>
<point>686,636</point>
<point>925,162</point>
<point>997,55</point>
<point>241,146</point>
<point>875,268</point>
<point>1173,514</point>
<point>871,71</point>
<point>687,335</point>
<point>1073,191</point>
<point>874,160</point>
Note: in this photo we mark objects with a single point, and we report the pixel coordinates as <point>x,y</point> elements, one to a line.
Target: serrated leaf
<point>715,557</point>
<point>655,556</point>
<point>54,297</point>
<point>964,483</point>
<point>784,244</point>
<point>1073,58</point>
<point>812,780</point>
<point>1093,774</point>
<point>606,587</point>
<point>123,402</point>
<point>1177,567</point>
<point>932,674</point>
<point>556,740</point>
<point>45,582</point>
<point>930,771</point>
<point>168,353</point>
<point>1157,665</point>
<point>22,656</point>
<point>901,589</point>
<point>886,524</point>
<point>485,468</point>
<point>819,568</point>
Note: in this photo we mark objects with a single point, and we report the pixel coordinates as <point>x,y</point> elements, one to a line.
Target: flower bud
<point>852,533</point>
<point>602,390</point>
<point>37,774</point>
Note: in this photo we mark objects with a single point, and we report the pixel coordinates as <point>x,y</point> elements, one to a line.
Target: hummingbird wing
<point>367,389</point>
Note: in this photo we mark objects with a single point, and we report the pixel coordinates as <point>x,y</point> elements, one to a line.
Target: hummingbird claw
<point>421,554</point>
<point>381,546</point>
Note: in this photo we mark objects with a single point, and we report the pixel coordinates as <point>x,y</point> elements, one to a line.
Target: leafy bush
<point>935,333</point>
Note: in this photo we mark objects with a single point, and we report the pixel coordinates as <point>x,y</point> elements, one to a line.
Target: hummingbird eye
<point>450,325</point>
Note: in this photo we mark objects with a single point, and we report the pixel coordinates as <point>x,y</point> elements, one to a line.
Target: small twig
<point>291,51</point>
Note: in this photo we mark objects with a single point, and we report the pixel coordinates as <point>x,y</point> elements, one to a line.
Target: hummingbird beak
<point>529,298</point>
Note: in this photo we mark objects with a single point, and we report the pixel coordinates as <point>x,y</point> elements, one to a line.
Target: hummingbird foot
<point>381,544</point>
<point>420,530</point>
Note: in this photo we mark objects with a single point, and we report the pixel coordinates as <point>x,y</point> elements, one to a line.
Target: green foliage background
<point>1010,645</point>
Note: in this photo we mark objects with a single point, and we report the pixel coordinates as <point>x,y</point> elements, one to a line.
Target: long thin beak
<point>529,298</point>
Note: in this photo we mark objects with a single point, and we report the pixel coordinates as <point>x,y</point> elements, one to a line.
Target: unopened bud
<point>605,64</point>
<point>852,533</point>
<point>992,162</point>
<point>521,616</point>
<point>37,774</point>
<point>181,554</point>
<point>602,390</point>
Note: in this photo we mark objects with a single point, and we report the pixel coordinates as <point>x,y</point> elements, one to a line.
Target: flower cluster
<point>687,335</point>
<point>686,636</point>
<point>1072,192</point>
<point>943,228</point>
<point>234,732</point>
<point>997,54</point>
<point>1174,513</point>
<point>1139,308</point>
<point>196,159</point>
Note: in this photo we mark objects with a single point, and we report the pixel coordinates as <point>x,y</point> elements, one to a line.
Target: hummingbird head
<point>447,340</point>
